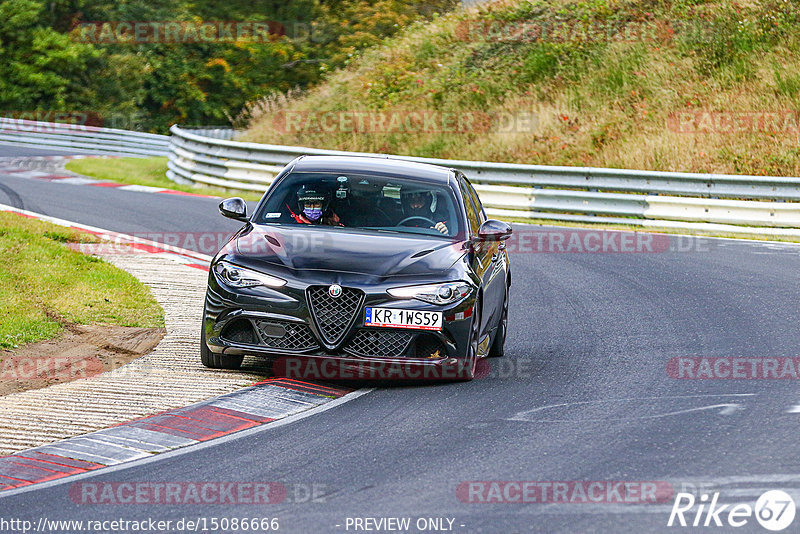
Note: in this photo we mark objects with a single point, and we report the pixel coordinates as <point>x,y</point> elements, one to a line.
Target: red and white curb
<point>66,177</point>
<point>254,406</point>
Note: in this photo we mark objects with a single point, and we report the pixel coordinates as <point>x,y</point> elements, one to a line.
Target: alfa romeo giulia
<point>359,267</point>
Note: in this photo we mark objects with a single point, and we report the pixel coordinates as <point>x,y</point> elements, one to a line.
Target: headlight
<point>445,293</point>
<point>235,276</point>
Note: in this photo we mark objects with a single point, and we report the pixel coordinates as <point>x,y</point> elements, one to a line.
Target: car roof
<point>386,166</point>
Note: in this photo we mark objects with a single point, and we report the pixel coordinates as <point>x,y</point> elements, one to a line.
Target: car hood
<point>346,251</point>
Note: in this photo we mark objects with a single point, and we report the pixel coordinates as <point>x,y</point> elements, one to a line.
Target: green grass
<point>144,171</point>
<point>599,102</point>
<point>44,285</point>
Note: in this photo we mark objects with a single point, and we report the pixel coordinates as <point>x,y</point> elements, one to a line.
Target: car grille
<point>333,315</point>
<point>428,346</point>
<point>385,343</point>
<point>285,335</point>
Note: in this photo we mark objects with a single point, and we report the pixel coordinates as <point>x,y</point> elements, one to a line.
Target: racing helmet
<point>312,194</point>
<point>410,194</point>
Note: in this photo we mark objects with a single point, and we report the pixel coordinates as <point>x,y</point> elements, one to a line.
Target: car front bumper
<point>278,324</point>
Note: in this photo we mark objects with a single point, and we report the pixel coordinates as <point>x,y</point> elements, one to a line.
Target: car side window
<point>469,206</point>
<point>477,201</point>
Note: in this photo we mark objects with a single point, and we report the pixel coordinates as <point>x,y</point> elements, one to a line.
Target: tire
<point>217,361</point>
<point>467,372</point>
<point>497,349</point>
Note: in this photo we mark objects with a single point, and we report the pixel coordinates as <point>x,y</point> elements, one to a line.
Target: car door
<point>495,285</point>
<point>481,257</point>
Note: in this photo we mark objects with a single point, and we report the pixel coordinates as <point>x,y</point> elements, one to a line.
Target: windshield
<point>364,202</point>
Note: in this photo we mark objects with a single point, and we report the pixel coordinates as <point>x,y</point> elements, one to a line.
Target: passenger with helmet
<point>314,207</point>
<point>421,210</point>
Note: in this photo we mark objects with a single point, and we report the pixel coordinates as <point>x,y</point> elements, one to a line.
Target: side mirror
<point>494,230</point>
<point>234,208</point>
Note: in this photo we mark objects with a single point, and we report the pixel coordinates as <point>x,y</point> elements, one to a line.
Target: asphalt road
<point>582,395</point>
<point>130,212</point>
<point>8,151</point>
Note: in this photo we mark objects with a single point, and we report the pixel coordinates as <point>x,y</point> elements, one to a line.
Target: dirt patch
<point>81,352</point>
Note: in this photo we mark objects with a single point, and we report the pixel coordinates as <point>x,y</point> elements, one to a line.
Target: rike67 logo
<point>774,510</point>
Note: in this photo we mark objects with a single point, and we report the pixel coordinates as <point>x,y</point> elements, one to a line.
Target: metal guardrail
<point>217,132</point>
<point>81,139</point>
<point>760,205</point>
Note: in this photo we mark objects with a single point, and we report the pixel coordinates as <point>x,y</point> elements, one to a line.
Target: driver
<point>422,205</point>
<point>314,207</point>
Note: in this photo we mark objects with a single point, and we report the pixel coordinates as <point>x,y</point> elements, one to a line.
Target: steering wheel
<point>413,217</point>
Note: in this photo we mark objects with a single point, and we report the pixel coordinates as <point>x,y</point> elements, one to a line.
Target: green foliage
<point>41,68</point>
<point>541,62</point>
<point>49,65</point>
<point>787,83</point>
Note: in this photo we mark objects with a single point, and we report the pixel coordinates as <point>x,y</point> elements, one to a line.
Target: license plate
<point>394,318</point>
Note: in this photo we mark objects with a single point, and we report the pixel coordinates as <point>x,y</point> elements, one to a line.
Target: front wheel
<point>498,346</point>
<point>470,363</point>
<point>217,361</point>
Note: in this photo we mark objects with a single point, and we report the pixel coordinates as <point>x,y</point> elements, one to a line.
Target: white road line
<point>727,408</point>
